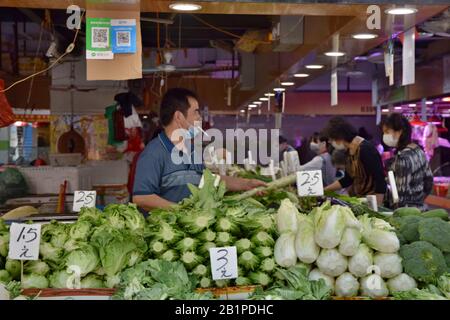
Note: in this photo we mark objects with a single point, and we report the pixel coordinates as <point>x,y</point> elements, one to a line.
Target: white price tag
<point>223,263</point>
<point>309,183</point>
<point>24,241</point>
<point>84,199</point>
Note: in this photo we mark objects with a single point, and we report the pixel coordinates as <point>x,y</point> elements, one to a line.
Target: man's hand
<point>249,184</point>
<point>241,184</point>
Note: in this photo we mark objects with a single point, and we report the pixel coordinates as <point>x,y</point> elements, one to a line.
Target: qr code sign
<point>100,37</point>
<point>123,38</point>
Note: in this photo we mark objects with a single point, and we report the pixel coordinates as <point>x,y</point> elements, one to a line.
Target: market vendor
<point>159,181</point>
<point>364,174</point>
<point>413,176</point>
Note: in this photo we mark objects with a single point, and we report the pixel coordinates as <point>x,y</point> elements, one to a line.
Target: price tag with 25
<point>309,183</point>
<point>24,241</point>
<point>223,263</point>
<point>84,199</point>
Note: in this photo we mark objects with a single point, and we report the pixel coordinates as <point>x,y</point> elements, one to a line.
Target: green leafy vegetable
<point>207,236</point>
<point>243,245</point>
<point>262,238</point>
<point>37,267</point>
<point>34,281</point>
<point>435,231</point>
<point>423,261</point>
<point>248,260</point>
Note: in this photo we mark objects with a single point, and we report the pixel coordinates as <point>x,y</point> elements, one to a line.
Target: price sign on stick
<point>84,199</point>
<point>309,183</point>
<point>24,241</point>
<point>223,263</point>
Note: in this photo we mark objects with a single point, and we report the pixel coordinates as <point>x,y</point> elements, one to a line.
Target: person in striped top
<point>413,176</point>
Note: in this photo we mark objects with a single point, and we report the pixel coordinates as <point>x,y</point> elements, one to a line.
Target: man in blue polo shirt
<point>160,181</point>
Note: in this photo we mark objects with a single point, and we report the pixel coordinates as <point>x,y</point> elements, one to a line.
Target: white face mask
<point>314,147</point>
<point>389,140</point>
<point>338,146</point>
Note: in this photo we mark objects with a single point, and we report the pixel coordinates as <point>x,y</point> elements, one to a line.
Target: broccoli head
<point>423,261</point>
<point>407,227</point>
<point>435,231</point>
<point>447,260</point>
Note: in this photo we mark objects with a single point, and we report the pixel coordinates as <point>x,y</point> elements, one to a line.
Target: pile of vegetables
<point>206,220</point>
<point>425,249</point>
<point>293,284</point>
<point>158,280</point>
<point>354,256</point>
<point>90,253</point>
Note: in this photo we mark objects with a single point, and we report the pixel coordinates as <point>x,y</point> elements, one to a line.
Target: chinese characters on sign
<point>24,241</point>
<point>309,183</point>
<point>223,263</point>
<point>84,199</point>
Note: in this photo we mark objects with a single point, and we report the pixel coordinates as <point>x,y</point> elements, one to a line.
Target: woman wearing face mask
<point>412,172</point>
<point>322,161</point>
<point>364,173</point>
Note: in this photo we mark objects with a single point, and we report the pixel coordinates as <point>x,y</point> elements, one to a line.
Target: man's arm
<point>241,184</point>
<point>315,164</point>
<point>335,186</point>
<point>152,201</point>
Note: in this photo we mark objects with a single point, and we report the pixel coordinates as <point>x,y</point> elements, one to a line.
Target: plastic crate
<point>47,179</point>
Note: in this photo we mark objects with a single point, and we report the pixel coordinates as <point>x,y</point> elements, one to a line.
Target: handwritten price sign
<point>84,199</point>
<point>223,263</point>
<point>309,183</point>
<point>24,241</point>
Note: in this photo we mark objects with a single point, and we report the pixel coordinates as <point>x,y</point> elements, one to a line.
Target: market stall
<point>324,151</point>
<point>286,248</point>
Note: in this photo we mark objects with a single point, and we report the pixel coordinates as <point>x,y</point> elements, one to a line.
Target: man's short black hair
<point>339,129</point>
<point>175,99</point>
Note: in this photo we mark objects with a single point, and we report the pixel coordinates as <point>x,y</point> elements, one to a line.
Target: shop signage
<point>123,35</point>
<point>98,39</point>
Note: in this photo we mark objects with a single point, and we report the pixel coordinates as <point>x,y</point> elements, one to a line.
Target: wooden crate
<point>230,293</point>
<point>69,294</point>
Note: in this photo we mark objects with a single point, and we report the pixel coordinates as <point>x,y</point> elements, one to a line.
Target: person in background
<point>304,152</point>
<point>362,132</point>
<point>412,172</point>
<point>284,147</point>
<point>322,161</point>
<point>364,173</point>
<point>161,182</point>
<point>339,161</point>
